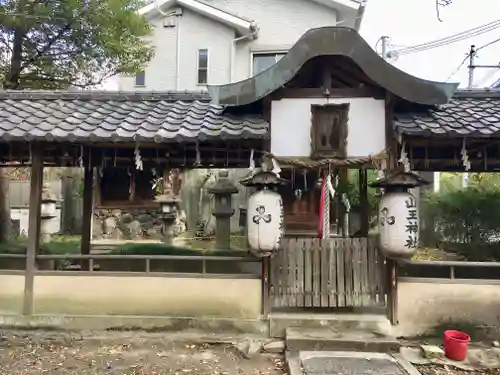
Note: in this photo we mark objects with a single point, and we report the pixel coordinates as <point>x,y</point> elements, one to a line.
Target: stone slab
<point>279,322</point>
<point>299,339</point>
<point>350,363</point>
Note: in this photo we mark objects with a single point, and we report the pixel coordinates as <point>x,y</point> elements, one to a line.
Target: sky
<point>411,22</point>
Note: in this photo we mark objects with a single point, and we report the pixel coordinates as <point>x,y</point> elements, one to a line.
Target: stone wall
<point>423,306</point>
<point>196,205</point>
<point>135,295</point>
<point>131,224</point>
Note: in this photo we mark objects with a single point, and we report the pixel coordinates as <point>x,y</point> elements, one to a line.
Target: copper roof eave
<point>327,41</point>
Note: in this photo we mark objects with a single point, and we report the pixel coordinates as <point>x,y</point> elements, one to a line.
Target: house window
<point>329,130</point>
<point>140,79</point>
<point>202,66</point>
<point>262,61</point>
<point>121,186</point>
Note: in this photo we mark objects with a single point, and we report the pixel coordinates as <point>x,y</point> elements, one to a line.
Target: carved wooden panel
<point>329,130</point>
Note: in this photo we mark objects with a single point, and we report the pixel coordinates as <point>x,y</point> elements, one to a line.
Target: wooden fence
<point>336,272</point>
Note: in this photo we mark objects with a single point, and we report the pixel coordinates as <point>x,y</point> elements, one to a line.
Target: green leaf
<point>53,44</point>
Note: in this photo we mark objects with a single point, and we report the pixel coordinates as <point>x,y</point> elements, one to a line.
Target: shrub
<point>162,249</point>
<point>467,221</point>
<point>58,245</point>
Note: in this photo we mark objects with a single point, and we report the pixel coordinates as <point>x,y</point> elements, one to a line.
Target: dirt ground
<point>29,353</point>
<point>447,370</point>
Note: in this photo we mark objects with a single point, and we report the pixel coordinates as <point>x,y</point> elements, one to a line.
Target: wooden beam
<point>88,179</point>
<point>363,201</point>
<point>35,208</point>
<point>348,92</point>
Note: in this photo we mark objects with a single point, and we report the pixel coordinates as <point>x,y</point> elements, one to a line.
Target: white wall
<point>281,23</point>
<point>291,126</point>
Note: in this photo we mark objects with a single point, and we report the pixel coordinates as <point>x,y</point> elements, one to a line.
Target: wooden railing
<point>336,272</point>
<point>138,265</point>
<point>425,271</point>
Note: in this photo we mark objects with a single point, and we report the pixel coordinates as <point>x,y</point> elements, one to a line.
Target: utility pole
<point>385,46</point>
<point>472,66</point>
<point>472,59</point>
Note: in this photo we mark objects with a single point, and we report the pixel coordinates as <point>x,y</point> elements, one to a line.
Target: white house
<point>222,41</point>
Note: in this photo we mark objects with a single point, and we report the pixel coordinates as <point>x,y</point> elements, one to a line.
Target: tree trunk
<point>13,78</point>
<point>12,81</point>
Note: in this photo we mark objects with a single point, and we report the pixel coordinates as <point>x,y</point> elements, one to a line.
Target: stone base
<point>134,323</point>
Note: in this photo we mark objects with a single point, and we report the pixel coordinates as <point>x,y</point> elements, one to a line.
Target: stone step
<point>328,339</point>
<point>378,323</point>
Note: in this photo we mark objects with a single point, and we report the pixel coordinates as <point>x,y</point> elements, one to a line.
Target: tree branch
<point>47,46</point>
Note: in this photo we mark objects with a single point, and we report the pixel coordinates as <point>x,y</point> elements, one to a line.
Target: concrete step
<point>376,323</point>
<point>328,339</point>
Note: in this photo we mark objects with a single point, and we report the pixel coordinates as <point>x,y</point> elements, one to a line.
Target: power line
<point>458,67</point>
<point>489,44</point>
<point>449,40</point>
<point>453,37</point>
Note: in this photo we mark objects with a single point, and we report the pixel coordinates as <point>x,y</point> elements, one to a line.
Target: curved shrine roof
<point>333,41</point>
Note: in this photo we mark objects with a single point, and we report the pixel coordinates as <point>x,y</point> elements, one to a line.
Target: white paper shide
<point>398,224</point>
<point>265,222</point>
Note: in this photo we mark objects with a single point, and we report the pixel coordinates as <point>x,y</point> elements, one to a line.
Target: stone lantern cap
<point>168,195</point>
<point>260,177</point>
<point>223,185</point>
<point>47,194</point>
<point>400,179</point>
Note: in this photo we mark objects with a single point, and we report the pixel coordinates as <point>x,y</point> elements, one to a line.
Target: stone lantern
<point>222,191</point>
<point>47,212</point>
<point>398,220</point>
<point>264,212</point>
<point>169,204</point>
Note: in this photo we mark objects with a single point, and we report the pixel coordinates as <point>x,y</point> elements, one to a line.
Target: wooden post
<point>343,180</point>
<point>88,208</point>
<point>363,202</point>
<point>392,291</point>
<point>391,265</point>
<point>265,287</point>
<point>35,209</point>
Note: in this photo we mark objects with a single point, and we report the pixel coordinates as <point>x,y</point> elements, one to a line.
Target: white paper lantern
<point>398,224</point>
<point>265,222</point>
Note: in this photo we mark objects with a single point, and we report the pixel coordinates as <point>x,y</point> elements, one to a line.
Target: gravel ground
<point>448,370</point>
<point>62,354</point>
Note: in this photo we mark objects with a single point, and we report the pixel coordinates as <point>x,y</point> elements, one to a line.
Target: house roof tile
<point>120,117</point>
<point>470,113</point>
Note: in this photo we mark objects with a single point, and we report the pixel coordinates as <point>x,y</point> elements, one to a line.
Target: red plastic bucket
<point>456,344</point>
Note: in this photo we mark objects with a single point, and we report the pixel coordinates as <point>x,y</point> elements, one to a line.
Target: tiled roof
<point>120,117</point>
<point>470,113</point>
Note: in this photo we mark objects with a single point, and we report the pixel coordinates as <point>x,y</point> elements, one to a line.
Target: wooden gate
<point>336,272</point>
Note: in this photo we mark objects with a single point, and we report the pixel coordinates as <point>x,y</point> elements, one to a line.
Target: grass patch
<point>58,245</point>
<point>162,249</point>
